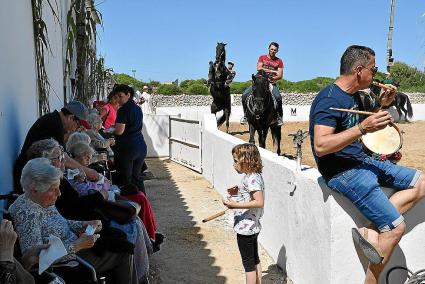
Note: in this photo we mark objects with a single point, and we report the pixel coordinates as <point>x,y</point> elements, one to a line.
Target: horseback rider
<point>273,66</point>
<point>231,73</point>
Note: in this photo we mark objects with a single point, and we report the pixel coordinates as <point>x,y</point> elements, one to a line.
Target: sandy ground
<point>413,150</point>
<point>195,252</point>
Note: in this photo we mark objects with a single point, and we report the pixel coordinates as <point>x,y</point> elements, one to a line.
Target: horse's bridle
<point>253,98</point>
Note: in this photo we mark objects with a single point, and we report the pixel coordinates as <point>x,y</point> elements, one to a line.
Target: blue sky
<point>169,39</point>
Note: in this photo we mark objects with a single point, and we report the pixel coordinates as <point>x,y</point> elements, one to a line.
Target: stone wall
<point>288,99</point>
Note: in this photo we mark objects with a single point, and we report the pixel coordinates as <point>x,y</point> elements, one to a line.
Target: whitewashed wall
<point>18,81</point>
<point>307,227</point>
<point>155,131</point>
<point>18,91</point>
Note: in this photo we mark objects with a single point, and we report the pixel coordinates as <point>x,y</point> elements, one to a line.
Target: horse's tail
<point>409,107</point>
<point>276,134</point>
<point>221,120</point>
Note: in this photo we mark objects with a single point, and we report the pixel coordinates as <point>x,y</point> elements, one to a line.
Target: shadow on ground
<point>183,257</point>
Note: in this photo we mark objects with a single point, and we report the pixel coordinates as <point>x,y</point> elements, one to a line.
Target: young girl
<point>248,201</point>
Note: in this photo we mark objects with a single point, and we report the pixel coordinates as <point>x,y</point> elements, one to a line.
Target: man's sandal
<point>372,253</point>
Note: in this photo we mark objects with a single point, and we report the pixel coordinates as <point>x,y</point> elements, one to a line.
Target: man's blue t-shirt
<point>321,114</point>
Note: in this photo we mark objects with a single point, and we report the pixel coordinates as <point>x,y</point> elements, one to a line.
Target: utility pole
<point>134,73</point>
<point>390,58</point>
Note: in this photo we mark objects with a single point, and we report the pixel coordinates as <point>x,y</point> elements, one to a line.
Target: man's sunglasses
<point>374,69</point>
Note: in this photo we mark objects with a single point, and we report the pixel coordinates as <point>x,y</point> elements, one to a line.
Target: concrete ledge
<point>306,226</point>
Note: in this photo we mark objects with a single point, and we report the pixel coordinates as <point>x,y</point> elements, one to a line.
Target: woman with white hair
<point>36,219</point>
<point>83,137</point>
<point>97,141</point>
<point>83,153</point>
<point>77,137</point>
<point>70,204</point>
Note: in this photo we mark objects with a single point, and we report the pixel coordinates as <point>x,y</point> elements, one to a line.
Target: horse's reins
<point>251,98</point>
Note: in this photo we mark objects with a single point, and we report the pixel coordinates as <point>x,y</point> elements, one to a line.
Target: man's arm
<point>73,164</point>
<point>277,75</point>
<point>326,141</point>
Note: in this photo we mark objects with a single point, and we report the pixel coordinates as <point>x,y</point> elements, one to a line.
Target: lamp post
<point>390,58</point>
<point>134,73</point>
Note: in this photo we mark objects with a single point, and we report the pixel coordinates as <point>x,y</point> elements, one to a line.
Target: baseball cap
<point>145,87</point>
<point>78,109</point>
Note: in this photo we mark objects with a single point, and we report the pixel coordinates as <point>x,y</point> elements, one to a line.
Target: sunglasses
<point>373,69</point>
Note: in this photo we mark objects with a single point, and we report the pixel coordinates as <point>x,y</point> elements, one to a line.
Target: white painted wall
<point>307,230</point>
<point>155,131</point>
<point>18,91</point>
<point>18,81</point>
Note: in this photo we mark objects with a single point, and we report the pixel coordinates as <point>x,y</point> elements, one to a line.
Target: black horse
<point>400,101</point>
<point>261,112</point>
<point>217,76</point>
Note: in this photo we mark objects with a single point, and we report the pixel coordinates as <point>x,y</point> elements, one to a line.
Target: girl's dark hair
<point>122,88</point>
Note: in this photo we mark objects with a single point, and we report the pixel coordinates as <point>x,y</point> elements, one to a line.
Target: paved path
<point>195,252</point>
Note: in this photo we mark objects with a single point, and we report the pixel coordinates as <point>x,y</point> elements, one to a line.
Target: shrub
<point>170,89</point>
<point>197,89</point>
<point>128,80</point>
<point>239,87</point>
<point>186,83</point>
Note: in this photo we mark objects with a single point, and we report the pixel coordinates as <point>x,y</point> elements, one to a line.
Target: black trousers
<point>248,248</point>
<point>129,161</point>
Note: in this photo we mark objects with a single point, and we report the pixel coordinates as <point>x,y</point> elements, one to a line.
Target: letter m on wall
<point>293,111</point>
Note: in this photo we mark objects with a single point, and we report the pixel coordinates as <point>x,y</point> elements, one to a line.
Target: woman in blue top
<point>130,148</point>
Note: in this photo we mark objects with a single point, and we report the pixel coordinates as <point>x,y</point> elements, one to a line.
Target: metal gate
<point>186,142</point>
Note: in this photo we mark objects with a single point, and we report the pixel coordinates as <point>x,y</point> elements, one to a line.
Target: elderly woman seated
<point>97,140</point>
<point>36,219</point>
<point>83,137</point>
<point>73,206</point>
<point>83,153</point>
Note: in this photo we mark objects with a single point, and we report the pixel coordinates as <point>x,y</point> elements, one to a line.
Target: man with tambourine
<point>336,128</point>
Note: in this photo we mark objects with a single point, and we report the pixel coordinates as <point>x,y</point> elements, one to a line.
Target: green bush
<point>239,87</point>
<point>170,89</point>
<point>410,78</point>
<point>197,89</point>
<point>186,83</point>
<point>128,80</point>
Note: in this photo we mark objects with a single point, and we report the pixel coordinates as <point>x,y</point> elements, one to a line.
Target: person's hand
<point>111,141</point>
<point>31,256</point>
<point>229,203</point>
<point>91,174</point>
<point>376,121</point>
<point>387,97</point>
<point>233,190</point>
<point>85,242</point>
<point>97,224</point>
<point>7,240</point>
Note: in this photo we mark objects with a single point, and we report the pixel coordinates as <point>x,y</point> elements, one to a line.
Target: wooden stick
<point>384,86</point>
<point>352,111</point>
<point>214,216</point>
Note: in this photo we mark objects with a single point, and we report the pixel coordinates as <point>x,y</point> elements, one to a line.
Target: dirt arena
<point>413,150</point>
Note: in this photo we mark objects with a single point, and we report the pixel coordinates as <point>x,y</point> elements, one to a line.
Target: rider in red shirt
<point>273,66</point>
